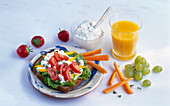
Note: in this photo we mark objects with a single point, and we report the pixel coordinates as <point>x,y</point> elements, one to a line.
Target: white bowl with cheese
<point>85,35</point>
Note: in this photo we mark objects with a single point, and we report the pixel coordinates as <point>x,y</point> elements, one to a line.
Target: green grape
<point>138,76</point>
<point>137,59</point>
<point>128,66</point>
<point>145,71</point>
<point>139,67</point>
<point>146,83</point>
<point>157,69</point>
<point>146,65</point>
<point>130,73</point>
<point>142,60</point>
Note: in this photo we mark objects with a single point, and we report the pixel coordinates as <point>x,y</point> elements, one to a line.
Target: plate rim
<point>29,71</point>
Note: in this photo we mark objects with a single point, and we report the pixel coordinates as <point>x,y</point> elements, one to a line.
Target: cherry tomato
<point>75,67</point>
<point>54,76</point>
<point>53,62</point>
<point>63,35</point>
<point>67,75</point>
<point>60,57</point>
<point>23,51</point>
<point>37,41</point>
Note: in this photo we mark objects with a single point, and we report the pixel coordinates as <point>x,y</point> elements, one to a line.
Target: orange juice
<point>124,35</point>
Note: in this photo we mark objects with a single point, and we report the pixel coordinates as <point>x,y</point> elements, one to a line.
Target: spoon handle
<point>104,16</point>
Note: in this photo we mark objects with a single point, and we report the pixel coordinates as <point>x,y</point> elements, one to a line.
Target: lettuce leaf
<point>85,74</point>
<point>55,84</point>
<point>80,57</point>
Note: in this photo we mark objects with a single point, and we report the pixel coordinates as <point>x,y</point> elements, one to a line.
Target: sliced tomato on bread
<point>53,62</point>
<point>52,71</point>
<point>60,57</point>
<point>75,67</point>
<point>61,67</point>
<point>67,75</point>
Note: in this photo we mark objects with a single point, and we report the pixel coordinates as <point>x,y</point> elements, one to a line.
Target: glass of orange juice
<point>125,29</point>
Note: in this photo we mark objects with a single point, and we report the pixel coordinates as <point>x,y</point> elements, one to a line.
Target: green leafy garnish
<point>45,74</point>
<point>139,88</point>
<point>72,72</point>
<point>131,85</point>
<point>73,55</point>
<point>68,83</point>
<point>58,72</point>
<point>38,63</point>
<point>114,92</point>
<point>85,74</point>
<point>80,57</point>
<point>119,96</point>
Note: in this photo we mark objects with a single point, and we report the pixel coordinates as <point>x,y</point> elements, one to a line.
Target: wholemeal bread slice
<point>64,89</point>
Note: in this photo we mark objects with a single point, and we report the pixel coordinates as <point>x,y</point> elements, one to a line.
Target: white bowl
<point>86,44</point>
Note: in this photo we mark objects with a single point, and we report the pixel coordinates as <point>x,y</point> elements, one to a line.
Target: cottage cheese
<point>86,31</point>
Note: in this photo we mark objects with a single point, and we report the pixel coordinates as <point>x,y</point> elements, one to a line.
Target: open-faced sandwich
<point>62,70</point>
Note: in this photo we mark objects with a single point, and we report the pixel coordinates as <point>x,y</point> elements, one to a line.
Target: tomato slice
<point>56,55</point>
<point>67,75</point>
<point>75,67</point>
<point>60,57</point>
<point>53,62</point>
<point>54,76</point>
<point>61,68</point>
<point>63,57</point>
<point>65,67</point>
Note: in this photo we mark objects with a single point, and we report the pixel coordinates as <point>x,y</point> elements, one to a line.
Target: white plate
<point>84,88</point>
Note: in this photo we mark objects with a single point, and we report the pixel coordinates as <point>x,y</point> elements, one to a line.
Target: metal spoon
<point>104,17</point>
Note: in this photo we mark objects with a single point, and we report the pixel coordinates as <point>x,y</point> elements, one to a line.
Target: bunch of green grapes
<point>141,68</point>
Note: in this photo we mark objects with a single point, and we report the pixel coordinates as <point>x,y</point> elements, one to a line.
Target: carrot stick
<point>112,78</point>
<point>98,58</point>
<point>99,68</point>
<point>94,52</point>
<point>116,85</point>
<point>122,78</point>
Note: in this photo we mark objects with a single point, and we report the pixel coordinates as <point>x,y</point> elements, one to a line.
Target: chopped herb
<point>131,85</point>
<point>58,72</point>
<point>119,96</point>
<point>139,88</point>
<point>65,64</point>
<point>73,55</point>
<point>114,92</point>
<point>72,72</point>
<point>38,63</point>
